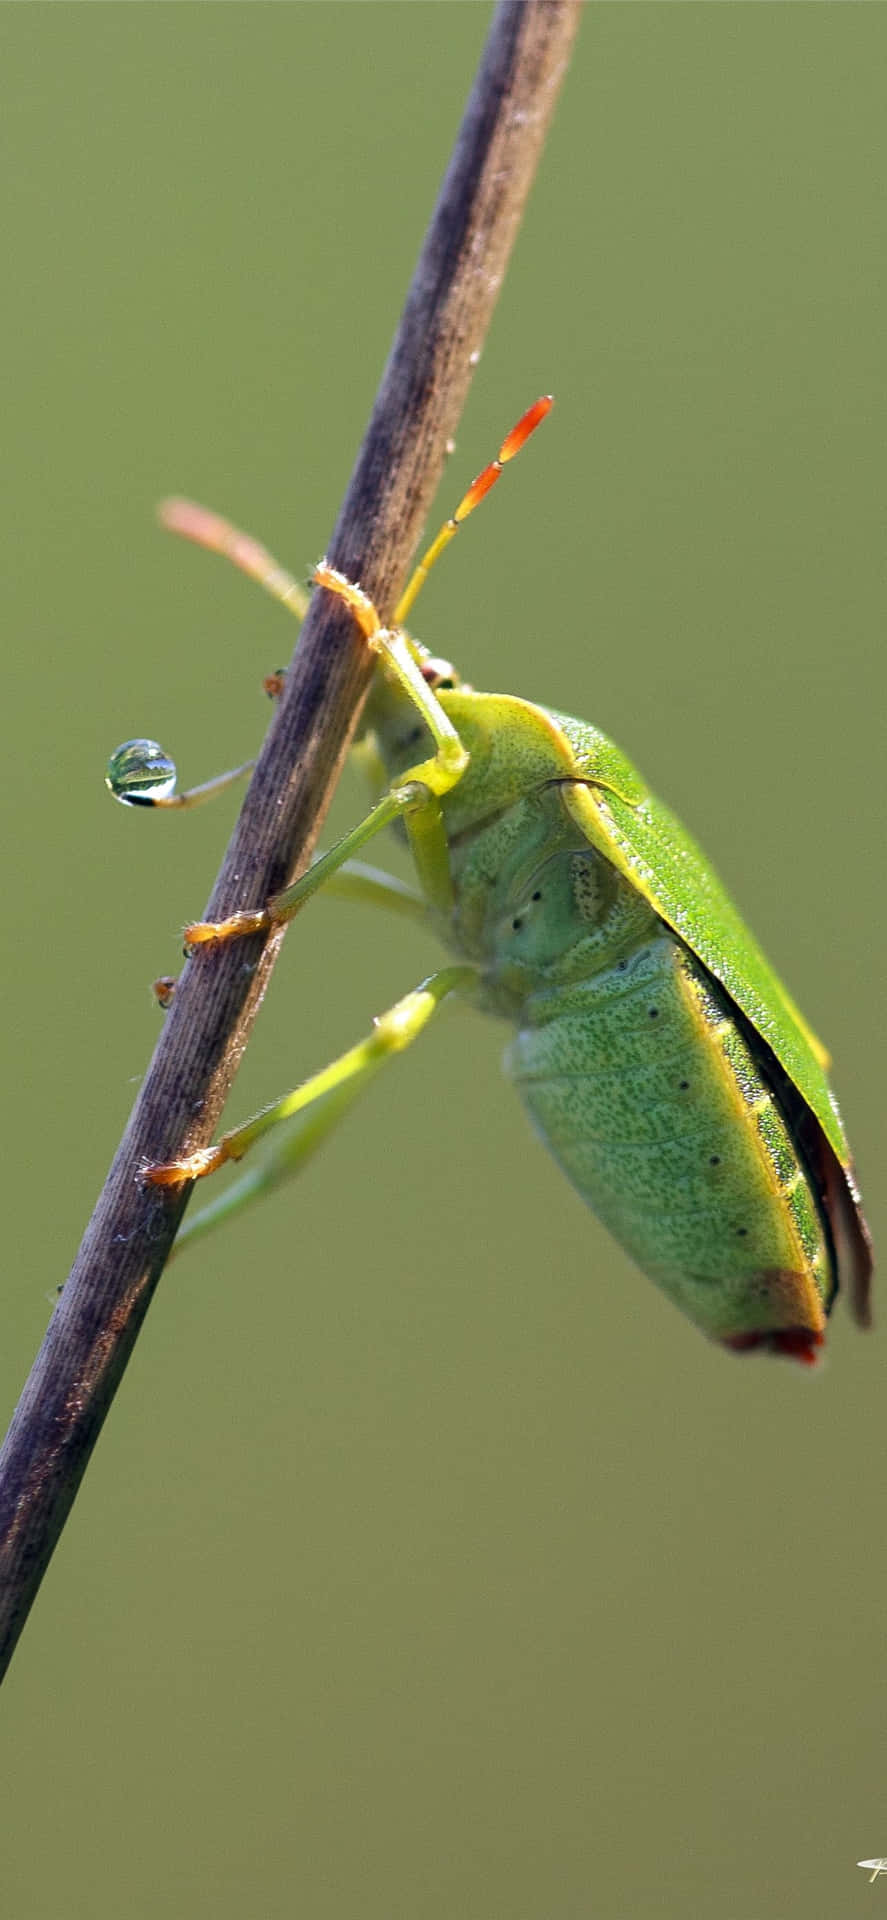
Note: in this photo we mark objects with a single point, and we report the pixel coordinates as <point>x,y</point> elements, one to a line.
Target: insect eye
<point>439,675</point>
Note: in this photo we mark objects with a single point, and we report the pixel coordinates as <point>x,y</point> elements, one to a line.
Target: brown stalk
<point>422,392</point>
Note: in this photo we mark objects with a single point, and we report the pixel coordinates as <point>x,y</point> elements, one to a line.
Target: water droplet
<point>139,773</point>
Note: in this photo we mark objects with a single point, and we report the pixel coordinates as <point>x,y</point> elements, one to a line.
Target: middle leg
<point>340,1083</point>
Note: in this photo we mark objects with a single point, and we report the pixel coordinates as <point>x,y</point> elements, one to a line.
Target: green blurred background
<point>430,1564</point>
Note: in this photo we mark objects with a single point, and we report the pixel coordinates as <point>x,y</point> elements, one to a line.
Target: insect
<point>659,1057</point>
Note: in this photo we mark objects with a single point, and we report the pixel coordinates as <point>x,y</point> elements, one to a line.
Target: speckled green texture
<point>648,1097</point>
<point>660,1058</point>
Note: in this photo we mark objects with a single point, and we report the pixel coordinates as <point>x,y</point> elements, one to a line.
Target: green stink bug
<point>658,1055</point>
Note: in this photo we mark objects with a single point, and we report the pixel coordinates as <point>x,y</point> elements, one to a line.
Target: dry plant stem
<point>422,392</point>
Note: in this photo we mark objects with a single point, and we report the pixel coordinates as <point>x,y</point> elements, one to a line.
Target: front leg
<point>415,798</point>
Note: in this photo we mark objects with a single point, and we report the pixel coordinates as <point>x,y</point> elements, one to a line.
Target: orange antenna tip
<point>511,445</point>
<point>477,491</point>
<point>526,425</point>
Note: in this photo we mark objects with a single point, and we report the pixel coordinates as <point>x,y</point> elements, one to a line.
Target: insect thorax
<point>536,906</point>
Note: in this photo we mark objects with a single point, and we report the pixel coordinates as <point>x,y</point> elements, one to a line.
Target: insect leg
<point>415,798</point>
<point>355,881</point>
<point>371,886</point>
<point>332,1090</point>
<point>140,773</point>
<point>208,529</point>
<point>429,779</point>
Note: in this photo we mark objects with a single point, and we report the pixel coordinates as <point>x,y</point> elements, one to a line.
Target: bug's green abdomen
<point>642,1085</point>
<point>637,1074</point>
<point>661,1060</point>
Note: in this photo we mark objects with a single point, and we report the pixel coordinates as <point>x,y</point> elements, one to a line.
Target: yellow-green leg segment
<point>415,799</point>
<point>322,1101</point>
<point>373,887</point>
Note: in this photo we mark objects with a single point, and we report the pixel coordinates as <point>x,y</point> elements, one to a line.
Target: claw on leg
<point>209,933</point>
<point>193,1166</point>
<point>354,597</point>
<point>336,1085</point>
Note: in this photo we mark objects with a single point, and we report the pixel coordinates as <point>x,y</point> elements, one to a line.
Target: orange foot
<point>175,1173</point>
<point>208,933</point>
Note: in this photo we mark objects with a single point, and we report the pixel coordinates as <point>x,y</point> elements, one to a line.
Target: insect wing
<point>646,843</point>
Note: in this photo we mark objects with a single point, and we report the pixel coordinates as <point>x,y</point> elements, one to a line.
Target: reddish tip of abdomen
<point>797,1343</point>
